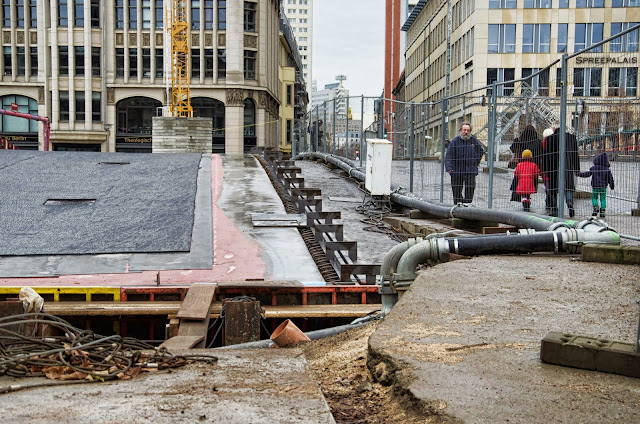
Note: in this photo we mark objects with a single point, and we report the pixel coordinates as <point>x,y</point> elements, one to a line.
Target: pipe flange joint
<point>559,226</point>
<point>526,231</point>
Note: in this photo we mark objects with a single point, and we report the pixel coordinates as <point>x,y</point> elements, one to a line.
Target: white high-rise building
<point>300,15</point>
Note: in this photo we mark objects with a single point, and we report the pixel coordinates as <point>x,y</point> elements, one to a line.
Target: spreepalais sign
<point>584,60</point>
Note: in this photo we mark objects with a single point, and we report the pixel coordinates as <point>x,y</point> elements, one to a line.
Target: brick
<point>628,255</point>
<point>590,354</point>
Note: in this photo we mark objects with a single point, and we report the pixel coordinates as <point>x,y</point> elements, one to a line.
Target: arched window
<point>249,124</point>
<point>134,115</point>
<point>134,124</point>
<point>13,124</point>
<point>214,109</point>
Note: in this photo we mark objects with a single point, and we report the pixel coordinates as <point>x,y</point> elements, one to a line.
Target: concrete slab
<point>249,386</point>
<point>464,342</point>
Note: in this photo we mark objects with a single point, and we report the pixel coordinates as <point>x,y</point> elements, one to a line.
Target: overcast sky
<point>348,39</point>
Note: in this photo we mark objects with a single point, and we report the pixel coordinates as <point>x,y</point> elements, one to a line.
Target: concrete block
<point>590,353</point>
<point>611,254</point>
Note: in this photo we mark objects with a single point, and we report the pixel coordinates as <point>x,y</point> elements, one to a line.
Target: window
<point>133,14</point>
<point>133,62</point>
<point>303,11</point>
<point>195,14</point>
<point>208,14</point>
<point>222,15</point>
<point>587,82</point>
<point>222,63</point>
<point>119,14</point>
<point>14,124</point>
<point>540,82</point>
<point>625,3</point>
<point>562,37</point>
<point>502,4</point>
<point>79,60</point>
<point>291,2</point>
<point>159,63</point>
<point>250,64</point>
<point>289,131</point>
<point>303,21</point>
<point>146,14</point>
<point>563,4</point>
<point>63,17</point>
<point>303,29</point>
<point>95,13</point>
<point>20,13</point>
<point>119,62</point>
<point>34,61</point>
<point>64,106</point>
<point>80,113</point>
<point>536,38</point>
<point>63,54</point>
<point>537,4</point>
<point>588,35</point>
<point>303,39</point>
<point>146,63</point>
<point>502,38</point>
<point>95,61</point>
<point>292,20</point>
<point>33,13</point>
<point>208,63</point>
<point>159,13</point>
<point>500,75</point>
<point>96,105</point>
<point>78,13</point>
<point>627,42</point>
<point>195,63</point>
<point>250,16</point>
<point>249,118</point>
<point>623,82</point>
<point>589,3</point>
<point>290,11</point>
<point>289,92</point>
<point>20,59</point>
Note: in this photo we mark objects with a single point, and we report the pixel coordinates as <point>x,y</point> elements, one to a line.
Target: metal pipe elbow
<point>418,254</point>
<point>391,259</point>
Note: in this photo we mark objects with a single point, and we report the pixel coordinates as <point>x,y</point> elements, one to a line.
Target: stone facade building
<point>100,70</point>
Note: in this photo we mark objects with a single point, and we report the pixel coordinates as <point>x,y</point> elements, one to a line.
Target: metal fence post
<point>315,136</point>
<point>361,152</point>
<point>335,135</point>
<point>563,139</point>
<point>442,151</point>
<point>411,144</point>
<point>346,132</point>
<point>324,127</point>
<point>492,140</point>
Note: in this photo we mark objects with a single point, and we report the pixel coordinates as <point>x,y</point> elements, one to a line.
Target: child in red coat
<point>527,174</point>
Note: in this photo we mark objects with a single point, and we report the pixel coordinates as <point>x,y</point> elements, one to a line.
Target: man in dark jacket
<point>551,164</point>
<point>461,162</point>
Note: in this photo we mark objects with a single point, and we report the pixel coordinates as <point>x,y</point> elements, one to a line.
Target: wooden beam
<point>182,342</point>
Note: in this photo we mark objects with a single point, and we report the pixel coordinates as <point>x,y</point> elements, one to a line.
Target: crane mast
<point>180,61</point>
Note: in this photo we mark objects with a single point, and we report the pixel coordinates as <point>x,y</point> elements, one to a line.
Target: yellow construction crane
<point>180,60</point>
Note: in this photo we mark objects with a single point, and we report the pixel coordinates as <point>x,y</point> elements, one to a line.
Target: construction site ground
<point>461,345</point>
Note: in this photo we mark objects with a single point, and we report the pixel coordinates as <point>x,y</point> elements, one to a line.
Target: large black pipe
<point>495,245</point>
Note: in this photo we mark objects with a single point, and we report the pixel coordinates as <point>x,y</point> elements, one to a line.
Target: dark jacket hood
<point>601,160</point>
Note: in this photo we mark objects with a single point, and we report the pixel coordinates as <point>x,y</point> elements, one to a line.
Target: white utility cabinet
<point>378,167</point>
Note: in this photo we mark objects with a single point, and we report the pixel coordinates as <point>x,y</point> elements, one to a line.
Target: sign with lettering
<point>14,107</point>
<point>133,139</point>
<point>606,60</point>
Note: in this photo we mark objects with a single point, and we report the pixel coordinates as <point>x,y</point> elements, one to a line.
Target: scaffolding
<point>180,60</point>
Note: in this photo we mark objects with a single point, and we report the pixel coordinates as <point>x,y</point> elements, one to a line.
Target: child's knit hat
<point>527,154</point>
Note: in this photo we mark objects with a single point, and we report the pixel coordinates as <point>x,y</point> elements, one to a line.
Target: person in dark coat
<point>461,162</point>
<point>551,163</point>
<point>528,140</point>
<point>601,177</point>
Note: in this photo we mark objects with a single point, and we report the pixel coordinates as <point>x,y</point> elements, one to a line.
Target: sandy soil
<point>339,365</point>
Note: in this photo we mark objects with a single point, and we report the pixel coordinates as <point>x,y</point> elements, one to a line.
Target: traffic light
<point>385,133</point>
<point>349,113</point>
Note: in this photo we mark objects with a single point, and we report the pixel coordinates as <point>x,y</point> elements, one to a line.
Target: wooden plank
<point>182,342</point>
<point>171,308</point>
<point>278,284</point>
<point>197,302</point>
